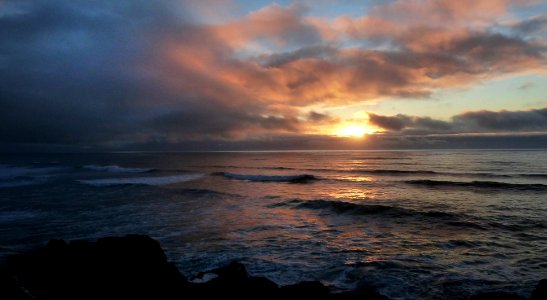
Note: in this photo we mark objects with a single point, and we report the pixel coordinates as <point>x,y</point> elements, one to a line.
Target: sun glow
<point>354,131</point>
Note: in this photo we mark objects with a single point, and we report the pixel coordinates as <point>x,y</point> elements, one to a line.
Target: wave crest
<point>117,169</point>
<point>395,172</point>
<point>341,207</point>
<point>299,178</point>
<point>164,180</point>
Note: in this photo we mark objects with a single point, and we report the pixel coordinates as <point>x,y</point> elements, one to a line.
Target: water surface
<point>413,224</point>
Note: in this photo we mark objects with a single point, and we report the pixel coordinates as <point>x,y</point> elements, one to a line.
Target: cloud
<point>469,122</point>
<point>531,120</point>
<point>279,26</point>
<point>395,123</point>
<point>136,72</point>
<point>318,117</point>
<point>532,25</point>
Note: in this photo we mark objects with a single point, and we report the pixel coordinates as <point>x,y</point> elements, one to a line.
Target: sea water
<point>412,224</point>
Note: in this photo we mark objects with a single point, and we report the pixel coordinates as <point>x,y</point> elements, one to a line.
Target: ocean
<point>412,224</point>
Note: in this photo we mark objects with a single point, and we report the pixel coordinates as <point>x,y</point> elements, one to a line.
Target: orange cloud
<point>275,24</point>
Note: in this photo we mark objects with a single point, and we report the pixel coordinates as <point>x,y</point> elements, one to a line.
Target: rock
<point>9,287</point>
<point>496,296</point>
<point>234,280</point>
<point>540,292</point>
<point>114,267</point>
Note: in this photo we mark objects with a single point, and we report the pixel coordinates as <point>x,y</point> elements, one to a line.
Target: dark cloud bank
<point>149,75</point>
<point>534,120</point>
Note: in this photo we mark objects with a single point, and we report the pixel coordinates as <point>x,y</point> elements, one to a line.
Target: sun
<point>354,131</point>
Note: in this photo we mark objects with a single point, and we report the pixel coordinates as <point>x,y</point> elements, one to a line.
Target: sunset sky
<point>244,75</point>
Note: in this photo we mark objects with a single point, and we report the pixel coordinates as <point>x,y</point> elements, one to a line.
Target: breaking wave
<point>9,172</point>
<point>392,212</point>
<point>299,178</point>
<point>164,180</point>
<point>13,176</point>
<point>371,209</point>
<point>117,169</point>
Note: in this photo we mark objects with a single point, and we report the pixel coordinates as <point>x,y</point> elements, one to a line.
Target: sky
<point>136,75</point>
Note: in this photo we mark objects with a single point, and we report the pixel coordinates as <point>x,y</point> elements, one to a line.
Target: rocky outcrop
<point>131,267</point>
<point>113,267</point>
<point>135,267</point>
<point>540,293</point>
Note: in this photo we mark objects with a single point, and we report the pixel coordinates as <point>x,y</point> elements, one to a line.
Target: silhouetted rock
<point>113,267</point>
<point>540,292</point>
<point>234,280</point>
<point>9,288</point>
<point>496,296</point>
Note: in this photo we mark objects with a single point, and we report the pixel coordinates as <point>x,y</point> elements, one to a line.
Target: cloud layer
<point>165,72</point>
<point>534,120</point>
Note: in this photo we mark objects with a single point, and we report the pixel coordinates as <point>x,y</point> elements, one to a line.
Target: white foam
<point>116,169</point>
<point>164,180</point>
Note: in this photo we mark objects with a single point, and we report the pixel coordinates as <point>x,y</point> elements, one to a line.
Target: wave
<point>428,172</point>
<point>392,212</point>
<point>371,209</point>
<point>533,175</point>
<point>22,181</point>
<point>203,192</point>
<point>383,158</point>
<point>9,172</point>
<point>16,176</point>
<point>299,178</point>
<point>395,172</point>
<point>117,169</point>
<point>285,203</point>
<point>164,180</point>
<point>479,184</point>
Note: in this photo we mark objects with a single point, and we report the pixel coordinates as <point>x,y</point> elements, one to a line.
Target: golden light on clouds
<point>354,130</point>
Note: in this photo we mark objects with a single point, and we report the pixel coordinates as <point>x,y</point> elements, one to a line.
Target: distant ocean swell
<point>479,184</point>
<point>389,172</point>
<point>19,176</point>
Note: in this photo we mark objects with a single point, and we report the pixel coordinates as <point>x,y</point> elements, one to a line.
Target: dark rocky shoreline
<point>135,267</point>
